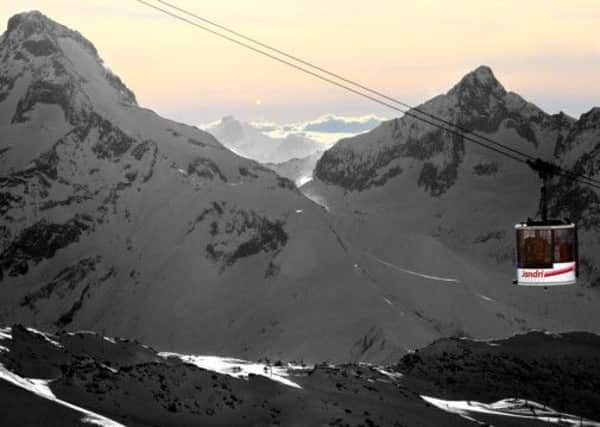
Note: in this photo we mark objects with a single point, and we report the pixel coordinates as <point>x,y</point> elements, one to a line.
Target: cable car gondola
<point>546,252</point>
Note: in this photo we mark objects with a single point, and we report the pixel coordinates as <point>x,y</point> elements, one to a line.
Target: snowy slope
<point>117,220</point>
<point>426,201</point>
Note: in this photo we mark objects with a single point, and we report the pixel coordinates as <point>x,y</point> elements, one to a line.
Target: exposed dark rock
<point>351,173</point>
<point>246,172</point>
<point>5,237</point>
<point>385,177</point>
<point>272,270</point>
<point>24,25</point>
<point>112,142</point>
<point>372,338</point>
<point>6,86</point>
<point>126,93</point>
<point>215,210</point>
<point>588,122</point>
<point>358,174</point>
<point>8,201</point>
<point>65,282</point>
<point>67,317</point>
<point>483,169</point>
<point>71,200</point>
<point>260,235</point>
<point>205,168</point>
<point>197,143</point>
<point>437,181</point>
<point>47,164</point>
<point>42,47</point>
<point>425,147</point>
<point>40,241</point>
<point>286,183</point>
<point>61,94</point>
<point>140,150</point>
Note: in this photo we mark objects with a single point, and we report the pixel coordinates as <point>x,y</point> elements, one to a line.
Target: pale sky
<point>546,50</point>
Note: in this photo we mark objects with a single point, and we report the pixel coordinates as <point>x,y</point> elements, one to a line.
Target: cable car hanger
<point>546,250</point>
<point>545,171</point>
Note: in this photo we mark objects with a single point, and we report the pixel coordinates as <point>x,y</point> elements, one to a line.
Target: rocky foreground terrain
<point>83,378</point>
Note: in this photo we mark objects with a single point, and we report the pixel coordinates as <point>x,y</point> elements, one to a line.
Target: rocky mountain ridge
<point>478,103</point>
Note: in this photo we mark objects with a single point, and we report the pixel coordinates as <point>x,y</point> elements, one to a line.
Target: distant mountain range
<point>268,142</point>
<point>118,220</point>
<point>326,129</point>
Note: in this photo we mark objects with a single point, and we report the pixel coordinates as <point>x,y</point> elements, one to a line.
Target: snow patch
<point>318,200</point>
<point>516,408</point>
<point>304,180</point>
<point>391,375</point>
<point>46,337</point>
<point>41,388</point>
<point>81,332</point>
<point>5,334</point>
<point>236,368</point>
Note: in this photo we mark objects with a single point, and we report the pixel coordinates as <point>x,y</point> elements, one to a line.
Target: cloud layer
<point>327,129</point>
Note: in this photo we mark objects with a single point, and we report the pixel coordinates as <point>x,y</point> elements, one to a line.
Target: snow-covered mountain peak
<point>44,62</point>
<point>482,80</point>
<point>30,22</point>
<point>34,27</point>
<point>478,102</point>
<point>231,128</point>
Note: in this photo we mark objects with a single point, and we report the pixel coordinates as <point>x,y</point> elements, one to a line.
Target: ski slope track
<point>414,273</point>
